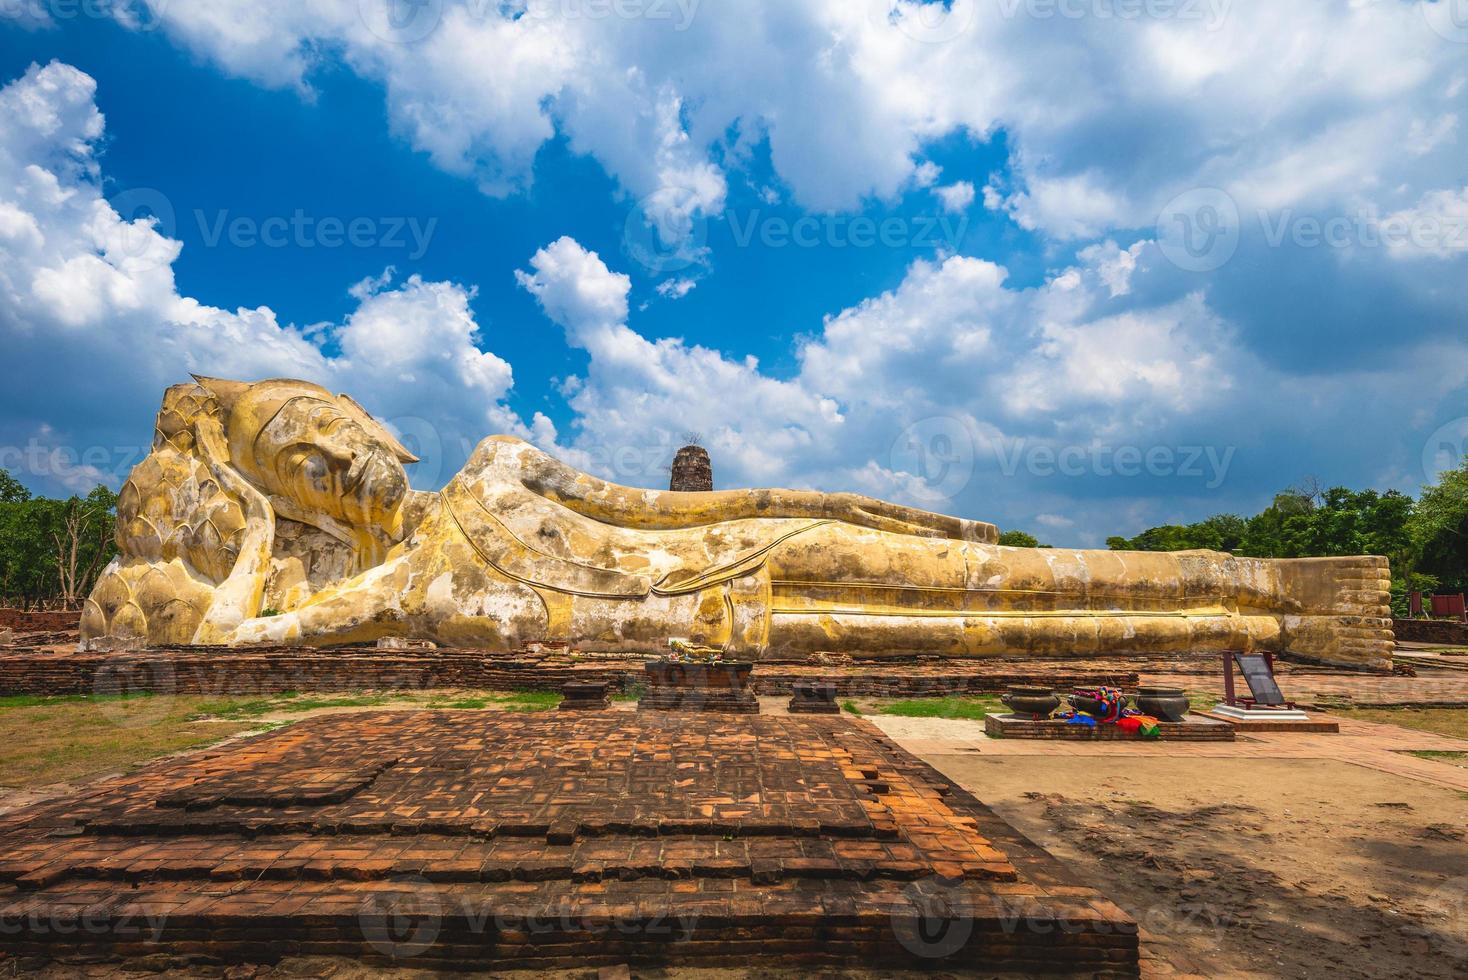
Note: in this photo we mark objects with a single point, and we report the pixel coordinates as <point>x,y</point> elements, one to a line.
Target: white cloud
<point>89,298</point>
<point>676,289</point>
<point>1436,227</point>
<point>956,197</point>
<point>952,351</point>
<point>1280,104</point>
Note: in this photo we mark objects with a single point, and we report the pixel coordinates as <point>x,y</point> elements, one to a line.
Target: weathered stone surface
<point>279,513</point>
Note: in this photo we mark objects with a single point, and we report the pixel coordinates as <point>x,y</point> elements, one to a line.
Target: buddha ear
<point>227,393</point>
<point>378,429</point>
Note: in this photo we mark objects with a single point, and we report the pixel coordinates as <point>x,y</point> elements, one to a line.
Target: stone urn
<point>1087,705</point>
<point>1037,702</point>
<point>1162,703</point>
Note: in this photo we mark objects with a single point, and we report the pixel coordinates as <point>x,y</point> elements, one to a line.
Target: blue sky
<point>1076,274</point>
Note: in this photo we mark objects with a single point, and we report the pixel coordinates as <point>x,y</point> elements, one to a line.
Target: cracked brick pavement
<point>810,840</point>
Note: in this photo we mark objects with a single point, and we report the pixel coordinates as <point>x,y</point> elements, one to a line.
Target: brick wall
<point>1431,631</point>
<point>16,619</point>
<point>213,671</point>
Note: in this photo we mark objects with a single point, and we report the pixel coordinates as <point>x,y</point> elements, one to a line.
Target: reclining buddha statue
<point>280,513</point>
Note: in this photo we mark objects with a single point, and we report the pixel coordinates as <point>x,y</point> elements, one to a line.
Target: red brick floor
<point>496,839</point>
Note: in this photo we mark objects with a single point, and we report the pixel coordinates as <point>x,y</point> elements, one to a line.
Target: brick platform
<point>493,840</point>
<point>1193,728</point>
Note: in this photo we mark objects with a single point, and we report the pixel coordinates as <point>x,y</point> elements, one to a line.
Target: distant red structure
<point>1449,607</point>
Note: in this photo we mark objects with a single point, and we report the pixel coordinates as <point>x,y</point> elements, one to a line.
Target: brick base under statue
<point>722,687</point>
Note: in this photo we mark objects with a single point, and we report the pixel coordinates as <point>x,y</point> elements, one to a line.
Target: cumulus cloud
<point>1107,118</point>
<point>956,197</point>
<point>1047,405</point>
<point>1436,227</point>
<point>89,303</point>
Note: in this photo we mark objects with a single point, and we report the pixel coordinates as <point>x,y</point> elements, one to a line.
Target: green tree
<point>1439,530</point>
<point>11,491</point>
<point>53,550</point>
<point>1020,539</point>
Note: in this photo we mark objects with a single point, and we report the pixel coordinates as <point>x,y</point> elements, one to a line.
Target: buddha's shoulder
<point>510,459</point>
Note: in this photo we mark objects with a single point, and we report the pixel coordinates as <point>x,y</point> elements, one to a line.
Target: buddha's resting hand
<point>281,630</point>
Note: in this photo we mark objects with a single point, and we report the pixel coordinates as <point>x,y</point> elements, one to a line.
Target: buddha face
<point>321,458</point>
<point>324,459</point>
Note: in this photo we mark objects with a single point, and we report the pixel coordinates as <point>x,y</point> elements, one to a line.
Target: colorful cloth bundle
<point>1113,711</point>
<point>1112,701</point>
<point>1137,723</point>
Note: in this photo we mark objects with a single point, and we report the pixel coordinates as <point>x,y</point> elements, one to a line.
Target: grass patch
<point>972,709</point>
<point>633,692</point>
<point>530,701</point>
<point>850,708</point>
<point>1439,721</point>
<point>1203,701</point>
<point>66,739</point>
<point>1459,759</point>
<point>461,704</point>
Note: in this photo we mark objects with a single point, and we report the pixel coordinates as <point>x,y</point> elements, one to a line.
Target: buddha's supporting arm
<point>237,598</point>
<point>656,510</point>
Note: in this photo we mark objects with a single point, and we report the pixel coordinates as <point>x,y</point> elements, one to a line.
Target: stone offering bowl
<point>1037,702</point>
<point>1163,703</point>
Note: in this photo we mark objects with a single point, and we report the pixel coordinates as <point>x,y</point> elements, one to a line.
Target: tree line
<point>51,551</point>
<point>1426,539</point>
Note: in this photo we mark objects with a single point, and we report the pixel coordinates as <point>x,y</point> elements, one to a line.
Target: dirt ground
<point>1254,868</point>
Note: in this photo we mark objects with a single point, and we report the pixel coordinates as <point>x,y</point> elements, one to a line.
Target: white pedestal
<point>1259,714</point>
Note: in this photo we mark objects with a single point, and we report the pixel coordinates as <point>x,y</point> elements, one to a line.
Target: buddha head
<point>321,458</point>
